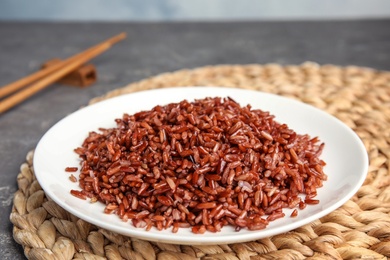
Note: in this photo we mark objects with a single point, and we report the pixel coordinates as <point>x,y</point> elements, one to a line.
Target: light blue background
<point>190,10</point>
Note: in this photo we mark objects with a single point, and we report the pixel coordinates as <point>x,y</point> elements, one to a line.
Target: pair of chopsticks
<point>45,77</point>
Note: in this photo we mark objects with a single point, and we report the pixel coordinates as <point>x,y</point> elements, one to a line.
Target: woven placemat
<point>360,229</point>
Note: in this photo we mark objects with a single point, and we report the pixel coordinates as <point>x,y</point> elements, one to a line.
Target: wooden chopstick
<point>51,75</point>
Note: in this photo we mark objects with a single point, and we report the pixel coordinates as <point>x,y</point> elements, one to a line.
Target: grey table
<point>150,49</point>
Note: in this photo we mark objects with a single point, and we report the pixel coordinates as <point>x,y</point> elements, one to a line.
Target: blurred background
<point>191,10</point>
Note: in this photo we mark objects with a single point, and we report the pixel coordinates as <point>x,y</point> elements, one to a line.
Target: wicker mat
<point>360,229</point>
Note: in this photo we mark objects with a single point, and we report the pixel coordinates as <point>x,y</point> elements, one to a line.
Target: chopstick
<point>51,74</point>
<point>39,74</point>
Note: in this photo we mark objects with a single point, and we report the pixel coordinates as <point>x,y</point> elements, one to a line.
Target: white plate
<point>344,153</point>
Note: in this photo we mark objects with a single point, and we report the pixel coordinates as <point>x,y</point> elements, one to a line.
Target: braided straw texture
<point>360,229</point>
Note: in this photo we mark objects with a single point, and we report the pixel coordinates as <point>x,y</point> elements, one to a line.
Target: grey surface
<point>151,49</point>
